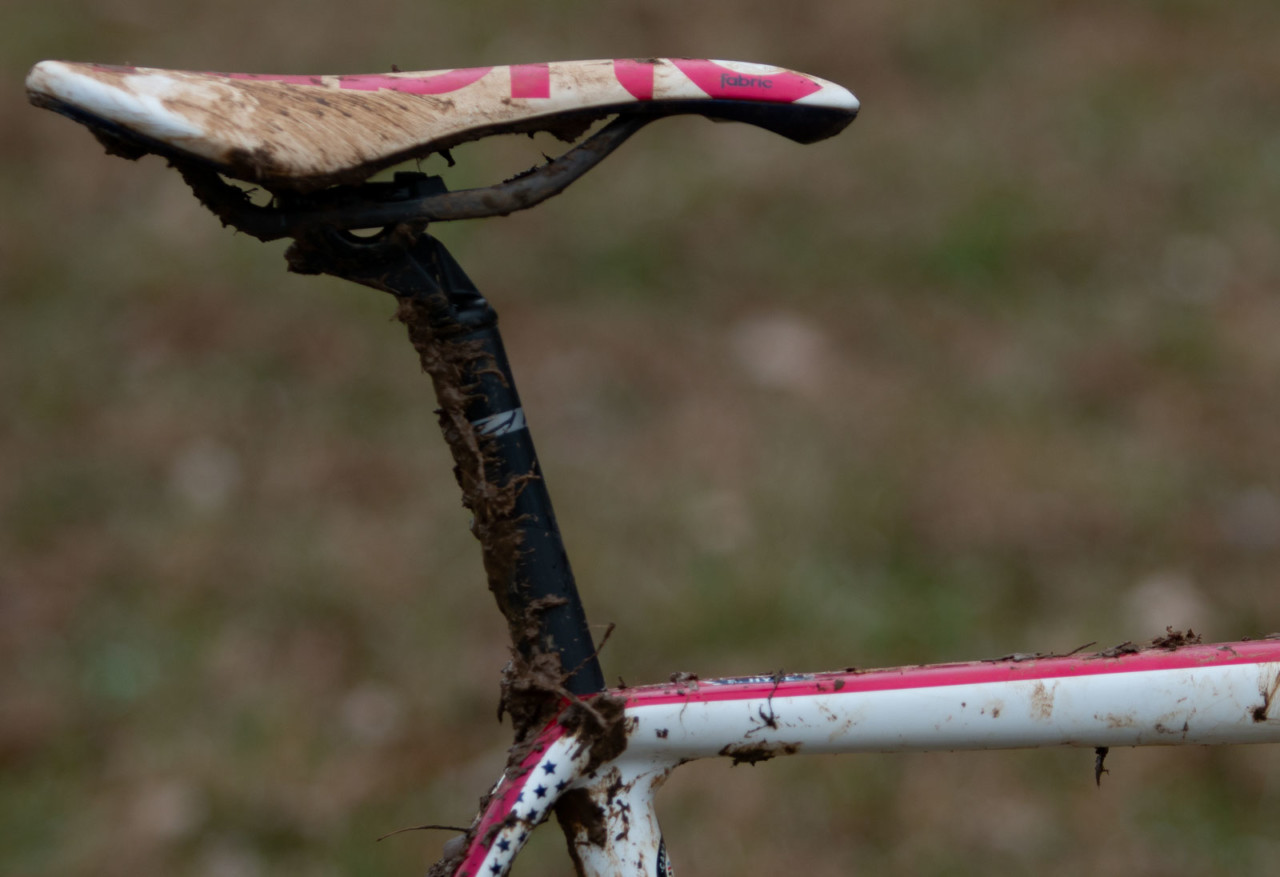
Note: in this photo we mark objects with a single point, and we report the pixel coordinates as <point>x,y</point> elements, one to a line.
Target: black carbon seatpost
<point>528,567</point>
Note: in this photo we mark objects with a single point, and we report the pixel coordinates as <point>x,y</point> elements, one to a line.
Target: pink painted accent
<point>636,77</point>
<point>531,80</point>
<point>435,83</point>
<point>719,81</point>
<point>274,77</point>
<point>942,675</point>
<point>504,799</point>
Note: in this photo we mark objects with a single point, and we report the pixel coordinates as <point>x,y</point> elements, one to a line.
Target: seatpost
<point>455,330</point>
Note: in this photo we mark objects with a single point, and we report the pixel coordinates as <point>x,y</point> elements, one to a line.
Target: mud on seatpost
<point>454,329</point>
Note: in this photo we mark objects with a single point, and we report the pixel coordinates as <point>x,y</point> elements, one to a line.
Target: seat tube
<point>539,583</point>
<point>455,331</point>
<point>542,579</point>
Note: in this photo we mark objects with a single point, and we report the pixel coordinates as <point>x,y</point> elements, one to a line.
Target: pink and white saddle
<point>305,132</point>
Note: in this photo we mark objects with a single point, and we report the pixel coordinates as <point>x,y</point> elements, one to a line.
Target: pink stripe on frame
<point>942,675</point>
<point>531,80</point>
<point>504,798</point>
<point>636,77</point>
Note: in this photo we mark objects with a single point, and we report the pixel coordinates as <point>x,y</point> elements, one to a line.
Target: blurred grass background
<point>996,370</point>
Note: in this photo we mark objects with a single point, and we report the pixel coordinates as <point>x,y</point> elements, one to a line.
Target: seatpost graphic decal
<point>502,423</point>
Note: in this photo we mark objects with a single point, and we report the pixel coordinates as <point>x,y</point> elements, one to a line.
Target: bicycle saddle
<point>302,133</point>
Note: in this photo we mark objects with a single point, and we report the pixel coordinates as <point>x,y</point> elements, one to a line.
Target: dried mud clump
<point>1176,639</point>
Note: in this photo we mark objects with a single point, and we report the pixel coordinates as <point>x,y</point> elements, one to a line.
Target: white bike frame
<point>1194,694</point>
